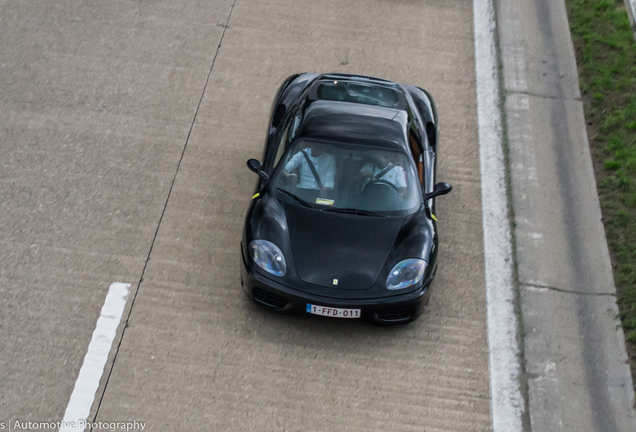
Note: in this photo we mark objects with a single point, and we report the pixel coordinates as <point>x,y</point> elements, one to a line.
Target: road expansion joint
<point>561,290</point>
<point>163,212</point>
<point>510,92</point>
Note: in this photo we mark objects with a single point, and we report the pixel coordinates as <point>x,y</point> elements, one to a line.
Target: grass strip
<point>606,57</point>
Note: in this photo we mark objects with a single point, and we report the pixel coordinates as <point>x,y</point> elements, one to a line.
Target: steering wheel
<point>377,181</point>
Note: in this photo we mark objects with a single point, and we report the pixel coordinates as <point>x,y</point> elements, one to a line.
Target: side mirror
<point>440,189</point>
<point>256,166</point>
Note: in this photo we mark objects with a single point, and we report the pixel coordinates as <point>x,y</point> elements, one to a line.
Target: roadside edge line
<point>90,374</point>
<point>507,403</point>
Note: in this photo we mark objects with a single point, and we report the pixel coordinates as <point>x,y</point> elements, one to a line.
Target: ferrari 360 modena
<point>342,220</point>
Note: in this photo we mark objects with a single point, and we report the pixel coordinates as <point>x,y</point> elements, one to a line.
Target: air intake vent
<point>269,299</point>
<point>396,313</point>
<point>355,77</point>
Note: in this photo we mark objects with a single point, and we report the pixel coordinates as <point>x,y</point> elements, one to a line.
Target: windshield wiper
<point>331,209</point>
<point>298,199</point>
<point>354,211</point>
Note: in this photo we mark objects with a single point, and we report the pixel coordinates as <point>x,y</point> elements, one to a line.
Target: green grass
<point>606,56</point>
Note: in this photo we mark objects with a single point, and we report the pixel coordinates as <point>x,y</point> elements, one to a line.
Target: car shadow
<point>324,333</point>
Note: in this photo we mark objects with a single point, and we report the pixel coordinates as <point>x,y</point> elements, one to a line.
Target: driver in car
<point>384,169</point>
<point>317,169</point>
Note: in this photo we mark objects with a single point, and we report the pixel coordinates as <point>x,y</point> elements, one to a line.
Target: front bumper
<point>396,309</point>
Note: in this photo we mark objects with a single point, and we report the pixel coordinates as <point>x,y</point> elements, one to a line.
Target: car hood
<point>336,250</point>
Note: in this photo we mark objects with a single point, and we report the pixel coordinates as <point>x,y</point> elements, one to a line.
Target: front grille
<point>396,313</point>
<point>269,299</point>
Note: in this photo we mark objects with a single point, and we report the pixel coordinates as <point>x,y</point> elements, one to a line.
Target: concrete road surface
<point>103,105</point>
<point>577,372</point>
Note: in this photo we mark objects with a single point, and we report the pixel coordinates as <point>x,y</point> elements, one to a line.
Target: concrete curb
<point>630,7</point>
<point>577,375</point>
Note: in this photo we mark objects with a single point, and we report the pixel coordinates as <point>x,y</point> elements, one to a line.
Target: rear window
<point>358,93</point>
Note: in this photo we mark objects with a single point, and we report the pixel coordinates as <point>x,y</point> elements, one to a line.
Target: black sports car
<point>342,222</point>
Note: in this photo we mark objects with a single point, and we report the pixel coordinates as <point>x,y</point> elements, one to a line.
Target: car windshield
<point>357,179</point>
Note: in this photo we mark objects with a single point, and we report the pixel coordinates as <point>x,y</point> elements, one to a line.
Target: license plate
<point>333,312</point>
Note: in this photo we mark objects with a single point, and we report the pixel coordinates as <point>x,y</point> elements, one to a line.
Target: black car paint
<point>369,125</point>
<point>361,278</point>
<point>268,219</point>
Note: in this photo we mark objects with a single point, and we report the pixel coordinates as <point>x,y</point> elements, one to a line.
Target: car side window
<point>414,143</point>
<point>282,145</point>
<point>287,137</point>
<point>295,126</point>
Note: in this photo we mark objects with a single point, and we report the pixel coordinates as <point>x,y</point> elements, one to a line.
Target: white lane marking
<point>90,374</point>
<point>507,403</point>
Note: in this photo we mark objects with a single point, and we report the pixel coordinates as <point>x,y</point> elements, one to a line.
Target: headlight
<point>269,257</point>
<point>406,273</point>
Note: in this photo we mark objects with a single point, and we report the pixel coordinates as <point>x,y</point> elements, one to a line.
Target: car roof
<point>355,123</point>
